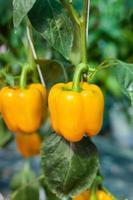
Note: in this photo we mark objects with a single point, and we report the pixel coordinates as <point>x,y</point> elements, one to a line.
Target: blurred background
<point>110,36</point>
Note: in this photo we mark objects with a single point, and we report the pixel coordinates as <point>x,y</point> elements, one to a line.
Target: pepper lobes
<point>23,109</point>
<point>74,114</point>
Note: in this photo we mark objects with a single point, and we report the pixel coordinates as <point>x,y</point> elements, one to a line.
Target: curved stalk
<point>77,76</point>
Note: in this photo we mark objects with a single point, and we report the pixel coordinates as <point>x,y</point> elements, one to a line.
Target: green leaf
<point>5,10</point>
<point>49,194</point>
<point>50,19</point>
<point>6,77</point>
<point>52,70</point>
<point>124,74</point>
<point>68,168</point>
<point>27,192</point>
<point>25,185</point>
<point>10,80</point>
<point>20,10</point>
<point>5,135</point>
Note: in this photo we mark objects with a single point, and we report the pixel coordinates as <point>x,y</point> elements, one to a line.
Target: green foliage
<point>7,76</point>
<point>52,70</point>
<point>110,31</point>
<point>49,194</point>
<point>20,10</point>
<point>5,11</point>
<point>5,135</point>
<point>50,19</point>
<point>124,75</point>
<point>68,168</point>
<point>24,185</point>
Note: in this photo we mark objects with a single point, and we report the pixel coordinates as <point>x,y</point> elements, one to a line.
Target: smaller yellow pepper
<point>28,145</point>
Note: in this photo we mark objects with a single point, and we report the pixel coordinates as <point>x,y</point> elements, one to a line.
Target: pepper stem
<point>94,187</point>
<point>81,68</point>
<point>83,25</point>
<point>23,78</point>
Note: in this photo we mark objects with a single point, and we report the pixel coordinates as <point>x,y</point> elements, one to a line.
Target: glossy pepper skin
<point>75,113</point>
<point>101,195</point>
<point>28,145</point>
<point>23,109</point>
<point>83,196</point>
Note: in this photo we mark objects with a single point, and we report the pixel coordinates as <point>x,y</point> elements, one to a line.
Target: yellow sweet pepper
<point>23,110</point>
<point>28,145</point>
<point>73,113</point>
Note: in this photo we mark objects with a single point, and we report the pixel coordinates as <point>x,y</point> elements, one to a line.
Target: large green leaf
<point>20,10</point>
<point>68,168</point>
<point>124,74</point>
<point>50,19</point>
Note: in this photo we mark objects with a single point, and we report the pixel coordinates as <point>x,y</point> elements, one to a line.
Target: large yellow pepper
<point>101,195</point>
<point>28,145</point>
<point>23,109</point>
<point>73,113</point>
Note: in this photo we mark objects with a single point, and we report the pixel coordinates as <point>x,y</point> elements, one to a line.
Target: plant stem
<point>34,53</point>
<point>23,78</point>
<point>93,194</point>
<point>83,42</point>
<point>73,13</point>
<point>94,187</point>
<point>84,30</point>
<point>86,11</point>
<point>81,68</point>
<point>26,166</point>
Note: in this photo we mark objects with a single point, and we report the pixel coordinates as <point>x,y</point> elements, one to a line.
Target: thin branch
<point>34,54</point>
<point>87,16</point>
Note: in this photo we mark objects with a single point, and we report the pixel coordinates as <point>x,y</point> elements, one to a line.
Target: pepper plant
<point>70,166</point>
